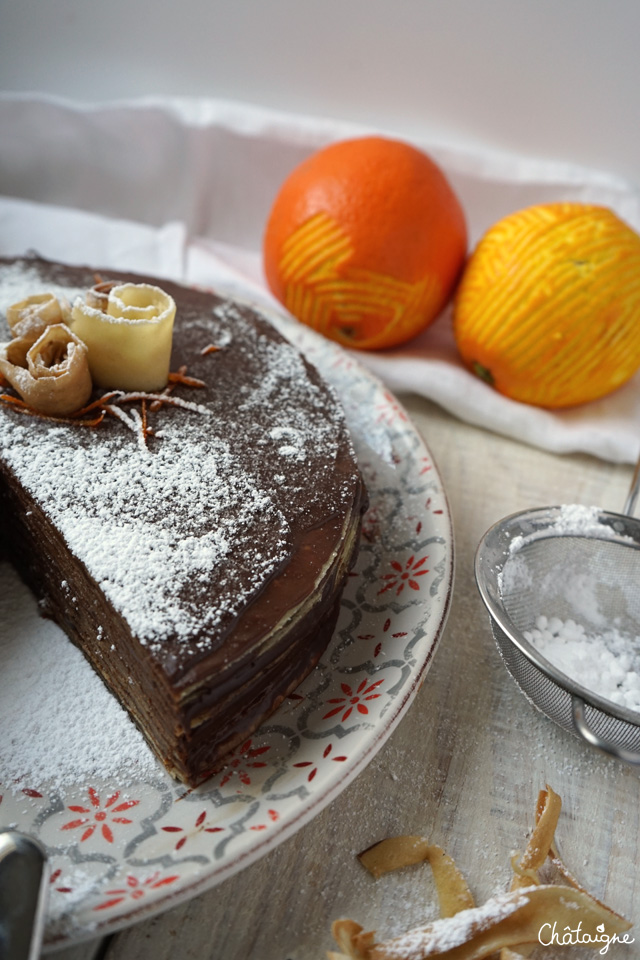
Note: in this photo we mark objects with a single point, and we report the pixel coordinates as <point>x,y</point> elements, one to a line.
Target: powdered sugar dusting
<point>580,520</point>
<point>155,526</point>
<point>78,730</point>
<point>18,283</point>
<point>102,498</point>
<point>574,520</point>
<point>451,932</point>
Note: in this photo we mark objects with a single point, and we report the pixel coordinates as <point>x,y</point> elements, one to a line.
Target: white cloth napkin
<point>181,189</point>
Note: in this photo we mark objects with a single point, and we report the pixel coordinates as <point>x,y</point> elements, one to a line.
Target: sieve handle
<point>585,731</point>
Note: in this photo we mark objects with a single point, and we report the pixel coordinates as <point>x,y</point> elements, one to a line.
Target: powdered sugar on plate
<point>58,722</point>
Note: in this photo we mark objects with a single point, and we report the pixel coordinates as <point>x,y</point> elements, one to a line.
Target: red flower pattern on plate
<point>198,827</point>
<point>53,879</point>
<point>350,700</point>
<point>343,360</point>
<point>372,636</point>
<point>371,524</point>
<point>135,889</point>
<point>403,575</point>
<point>273,816</point>
<point>325,754</point>
<point>429,505</point>
<point>99,814</point>
<point>244,760</point>
<point>389,409</point>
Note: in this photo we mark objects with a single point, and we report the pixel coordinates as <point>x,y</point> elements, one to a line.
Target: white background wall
<point>550,78</point>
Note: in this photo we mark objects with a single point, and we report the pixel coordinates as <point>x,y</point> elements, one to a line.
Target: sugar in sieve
<point>584,563</point>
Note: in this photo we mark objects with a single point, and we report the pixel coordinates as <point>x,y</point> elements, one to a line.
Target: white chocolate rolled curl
<point>55,379</point>
<point>128,332</point>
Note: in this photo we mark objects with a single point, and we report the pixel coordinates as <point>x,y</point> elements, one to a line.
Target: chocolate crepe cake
<point>194,549</point>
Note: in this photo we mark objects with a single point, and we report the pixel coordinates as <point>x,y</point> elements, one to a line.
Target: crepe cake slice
<point>198,567</point>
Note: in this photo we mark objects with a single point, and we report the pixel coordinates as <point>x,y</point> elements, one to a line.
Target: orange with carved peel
<point>548,308</point>
<point>365,242</point>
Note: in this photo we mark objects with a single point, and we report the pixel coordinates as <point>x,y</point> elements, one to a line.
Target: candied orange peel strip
<point>350,937</point>
<point>453,893</point>
<point>403,851</point>
<point>519,917</point>
<point>393,854</point>
<point>541,841</point>
<point>523,916</point>
<point>508,926</point>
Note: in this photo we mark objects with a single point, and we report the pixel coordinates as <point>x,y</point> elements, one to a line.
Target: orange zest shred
<point>105,398</point>
<point>145,423</point>
<point>23,407</point>
<point>105,404</point>
<point>174,378</point>
<point>180,377</point>
<point>15,401</point>
<point>157,404</point>
<point>508,926</point>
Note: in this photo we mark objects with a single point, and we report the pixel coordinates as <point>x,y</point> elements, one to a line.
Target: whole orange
<point>548,307</point>
<point>365,242</point>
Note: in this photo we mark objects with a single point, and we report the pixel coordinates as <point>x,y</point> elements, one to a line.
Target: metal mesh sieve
<point>537,562</point>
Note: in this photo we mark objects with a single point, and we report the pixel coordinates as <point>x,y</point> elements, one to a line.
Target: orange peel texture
<point>548,308</point>
<point>365,242</point>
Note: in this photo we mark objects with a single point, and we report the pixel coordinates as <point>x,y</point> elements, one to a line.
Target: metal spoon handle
<point>630,505</point>
<point>23,891</point>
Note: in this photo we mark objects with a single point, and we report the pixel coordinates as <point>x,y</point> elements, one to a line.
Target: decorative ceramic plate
<point>121,846</point>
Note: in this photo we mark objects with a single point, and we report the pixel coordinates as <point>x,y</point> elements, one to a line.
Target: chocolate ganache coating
<point>200,571</point>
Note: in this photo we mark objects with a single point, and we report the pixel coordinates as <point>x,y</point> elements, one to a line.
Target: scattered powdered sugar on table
<point>607,663</point>
<point>59,724</point>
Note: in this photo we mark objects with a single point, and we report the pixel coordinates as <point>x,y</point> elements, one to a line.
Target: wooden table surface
<point>464,767</point>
